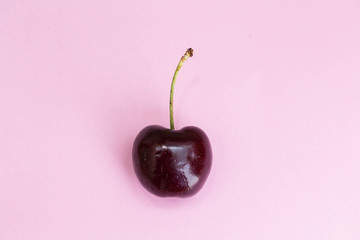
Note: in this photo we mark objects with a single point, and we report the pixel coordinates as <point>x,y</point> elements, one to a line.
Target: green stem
<point>189,53</point>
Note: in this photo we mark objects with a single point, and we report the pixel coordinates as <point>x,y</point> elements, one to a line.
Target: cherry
<point>169,162</point>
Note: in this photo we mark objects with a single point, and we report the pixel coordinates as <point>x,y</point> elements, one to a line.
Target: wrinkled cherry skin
<point>172,163</point>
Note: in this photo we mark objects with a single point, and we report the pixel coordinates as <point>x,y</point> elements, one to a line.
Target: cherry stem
<point>188,53</point>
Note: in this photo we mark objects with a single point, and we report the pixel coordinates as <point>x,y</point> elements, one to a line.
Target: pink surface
<point>274,84</point>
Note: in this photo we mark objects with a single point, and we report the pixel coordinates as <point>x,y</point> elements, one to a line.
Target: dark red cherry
<point>169,162</point>
<point>172,163</point>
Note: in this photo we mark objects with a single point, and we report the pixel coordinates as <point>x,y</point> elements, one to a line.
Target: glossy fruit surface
<point>172,163</point>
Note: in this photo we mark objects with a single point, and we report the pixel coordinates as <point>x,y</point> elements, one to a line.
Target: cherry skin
<point>172,163</point>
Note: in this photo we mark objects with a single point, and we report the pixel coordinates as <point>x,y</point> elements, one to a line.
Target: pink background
<point>275,85</point>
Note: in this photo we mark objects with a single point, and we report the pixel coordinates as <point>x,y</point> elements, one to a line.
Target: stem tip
<point>189,52</point>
